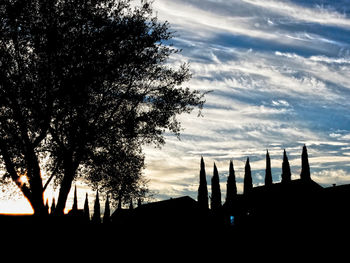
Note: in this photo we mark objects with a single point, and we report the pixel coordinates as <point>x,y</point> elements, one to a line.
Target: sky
<point>279,76</point>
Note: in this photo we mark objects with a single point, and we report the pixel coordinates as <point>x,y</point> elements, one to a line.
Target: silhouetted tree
<point>96,217</point>
<point>231,192</point>
<point>286,173</point>
<point>75,201</point>
<point>215,190</point>
<point>47,205</point>
<point>118,172</point>
<point>53,206</point>
<point>248,181</point>
<point>27,91</point>
<point>86,209</point>
<point>79,78</point>
<point>268,174</point>
<point>119,203</point>
<point>106,215</point>
<point>203,188</point>
<point>131,206</point>
<point>305,168</point>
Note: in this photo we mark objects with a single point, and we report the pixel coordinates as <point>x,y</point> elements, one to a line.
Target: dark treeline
<point>231,191</point>
<point>283,213</point>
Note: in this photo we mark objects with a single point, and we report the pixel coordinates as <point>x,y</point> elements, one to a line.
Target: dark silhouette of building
<point>174,214</point>
<point>288,206</point>
<point>282,211</point>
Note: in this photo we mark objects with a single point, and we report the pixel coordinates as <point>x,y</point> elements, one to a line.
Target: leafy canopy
<point>84,84</point>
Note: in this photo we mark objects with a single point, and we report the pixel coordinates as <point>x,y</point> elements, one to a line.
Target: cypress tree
<point>96,218</point>
<point>215,190</point>
<point>248,182</point>
<point>305,168</point>
<point>47,206</point>
<point>75,200</point>
<point>202,189</point>
<point>131,206</point>
<point>286,173</point>
<point>106,215</point>
<point>53,206</point>
<point>119,203</point>
<point>86,209</point>
<point>268,174</point>
<point>231,187</point>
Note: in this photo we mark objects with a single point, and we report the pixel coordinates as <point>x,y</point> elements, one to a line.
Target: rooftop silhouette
<point>285,210</point>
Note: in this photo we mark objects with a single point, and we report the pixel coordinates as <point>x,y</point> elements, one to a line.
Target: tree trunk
<point>34,192</point>
<point>35,182</point>
<point>66,184</point>
<point>36,186</point>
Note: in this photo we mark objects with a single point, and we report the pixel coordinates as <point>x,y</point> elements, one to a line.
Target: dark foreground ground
<point>73,239</point>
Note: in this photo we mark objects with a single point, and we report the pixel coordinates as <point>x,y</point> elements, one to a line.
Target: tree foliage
<point>268,173</point>
<point>203,188</point>
<point>286,173</point>
<point>305,167</point>
<point>215,190</point>
<point>248,181</point>
<point>231,192</point>
<point>86,83</point>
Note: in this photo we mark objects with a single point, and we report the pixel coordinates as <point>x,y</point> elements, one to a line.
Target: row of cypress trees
<point>231,190</point>
<point>96,217</point>
<point>85,213</point>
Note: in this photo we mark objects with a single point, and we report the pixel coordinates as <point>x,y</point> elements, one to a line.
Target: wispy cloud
<point>206,23</point>
<point>278,71</point>
<point>318,14</point>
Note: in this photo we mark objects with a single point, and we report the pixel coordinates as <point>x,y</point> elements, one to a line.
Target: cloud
<point>278,72</point>
<point>190,16</point>
<point>206,23</point>
<point>318,14</point>
<point>329,60</point>
<point>333,176</point>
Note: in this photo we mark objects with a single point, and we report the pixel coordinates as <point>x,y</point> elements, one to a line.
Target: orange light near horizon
<point>19,207</point>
